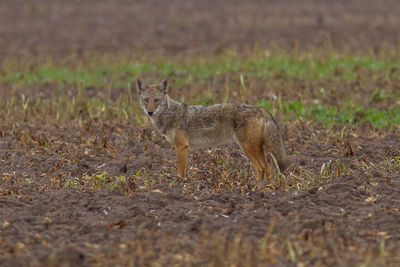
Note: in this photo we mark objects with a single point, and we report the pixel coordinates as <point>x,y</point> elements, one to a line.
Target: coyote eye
<point>156,100</point>
<point>145,100</point>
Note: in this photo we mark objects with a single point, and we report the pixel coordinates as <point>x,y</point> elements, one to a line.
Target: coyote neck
<point>167,118</point>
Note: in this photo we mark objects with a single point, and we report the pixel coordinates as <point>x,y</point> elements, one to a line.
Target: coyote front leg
<point>181,146</point>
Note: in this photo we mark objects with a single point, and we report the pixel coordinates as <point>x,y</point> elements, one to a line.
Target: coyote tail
<point>274,143</point>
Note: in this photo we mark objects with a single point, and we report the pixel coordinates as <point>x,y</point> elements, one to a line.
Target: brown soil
<point>346,216</point>
<point>61,27</point>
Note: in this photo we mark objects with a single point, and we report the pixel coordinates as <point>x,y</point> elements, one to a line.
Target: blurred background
<point>55,27</point>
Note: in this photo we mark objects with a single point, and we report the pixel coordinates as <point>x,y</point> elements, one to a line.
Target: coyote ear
<point>163,87</point>
<point>140,85</point>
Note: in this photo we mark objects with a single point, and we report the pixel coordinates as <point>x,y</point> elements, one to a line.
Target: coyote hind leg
<point>250,140</point>
<point>268,165</point>
<point>253,151</point>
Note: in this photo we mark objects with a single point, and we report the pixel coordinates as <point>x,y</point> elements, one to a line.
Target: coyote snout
<point>252,128</point>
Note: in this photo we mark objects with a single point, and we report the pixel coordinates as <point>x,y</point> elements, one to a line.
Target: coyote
<point>252,128</point>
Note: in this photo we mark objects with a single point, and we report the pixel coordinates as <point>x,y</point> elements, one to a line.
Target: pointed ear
<point>140,86</point>
<point>163,86</point>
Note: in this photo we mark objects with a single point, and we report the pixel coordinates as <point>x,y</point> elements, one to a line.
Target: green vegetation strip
<point>348,113</point>
<point>118,71</point>
<point>77,108</point>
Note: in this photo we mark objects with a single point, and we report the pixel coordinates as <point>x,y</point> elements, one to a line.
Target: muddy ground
<point>58,27</point>
<point>342,218</point>
<point>57,209</point>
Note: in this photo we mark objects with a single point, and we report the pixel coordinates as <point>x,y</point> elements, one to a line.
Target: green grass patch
<point>101,180</point>
<point>348,113</point>
<point>68,109</point>
<point>196,74</point>
<point>119,71</point>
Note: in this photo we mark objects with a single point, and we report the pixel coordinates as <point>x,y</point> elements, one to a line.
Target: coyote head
<point>153,98</point>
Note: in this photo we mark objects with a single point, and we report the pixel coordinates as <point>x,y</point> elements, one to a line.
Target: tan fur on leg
<point>181,145</point>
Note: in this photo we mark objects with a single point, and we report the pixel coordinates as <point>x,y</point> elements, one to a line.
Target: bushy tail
<point>274,143</point>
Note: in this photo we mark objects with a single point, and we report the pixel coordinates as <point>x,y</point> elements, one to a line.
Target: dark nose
<point>150,113</point>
